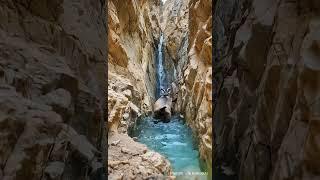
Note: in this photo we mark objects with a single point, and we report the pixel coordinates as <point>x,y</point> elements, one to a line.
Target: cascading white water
<point>160,69</point>
<point>173,139</point>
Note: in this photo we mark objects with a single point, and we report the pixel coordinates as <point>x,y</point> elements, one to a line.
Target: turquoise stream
<point>174,141</point>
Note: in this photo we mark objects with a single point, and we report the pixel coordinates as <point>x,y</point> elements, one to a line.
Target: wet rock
<point>162,108</point>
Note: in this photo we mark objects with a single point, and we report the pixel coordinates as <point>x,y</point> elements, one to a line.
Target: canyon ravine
<point>79,80</point>
<point>136,29</point>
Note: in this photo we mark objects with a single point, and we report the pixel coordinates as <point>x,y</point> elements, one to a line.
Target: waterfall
<point>160,70</point>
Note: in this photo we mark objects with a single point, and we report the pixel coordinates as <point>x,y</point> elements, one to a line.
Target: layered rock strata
<point>133,28</point>
<point>267,77</point>
<point>52,89</point>
<point>133,32</point>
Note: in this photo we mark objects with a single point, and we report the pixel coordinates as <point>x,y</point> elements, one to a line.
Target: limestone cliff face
<point>267,75</point>
<point>187,29</point>
<point>52,89</point>
<point>133,29</point>
<point>133,32</point>
<point>196,88</point>
<point>174,26</point>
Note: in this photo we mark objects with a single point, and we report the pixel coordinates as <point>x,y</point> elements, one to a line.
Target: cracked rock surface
<point>187,26</point>
<point>128,159</point>
<point>132,41</point>
<point>266,73</point>
<point>51,89</point>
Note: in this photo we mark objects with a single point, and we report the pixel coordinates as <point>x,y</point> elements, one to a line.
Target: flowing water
<point>174,141</point>
<point>161,76</point>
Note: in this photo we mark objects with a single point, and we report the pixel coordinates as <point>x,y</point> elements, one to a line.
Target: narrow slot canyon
<point>160,90</point>
<point>265,83</point>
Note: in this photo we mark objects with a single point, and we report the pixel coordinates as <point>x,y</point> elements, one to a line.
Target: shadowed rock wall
<point>267,76</point>
<point>52,81</point>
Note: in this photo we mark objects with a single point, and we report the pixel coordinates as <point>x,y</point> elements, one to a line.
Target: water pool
<point>173,140</point>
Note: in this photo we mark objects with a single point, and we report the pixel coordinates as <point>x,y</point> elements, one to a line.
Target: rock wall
<point>133,28</point>
<point>187,29</point>
<point>267,76</point>
<point>128,159</point>
<point>133,34</point>
<point>52,89</point>
<point>174,25</point>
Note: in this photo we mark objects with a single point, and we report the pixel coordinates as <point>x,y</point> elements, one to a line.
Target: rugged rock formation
<point>133,29</point>
<point>52,89</point>
<point>175,28</point>
<point>196,88</point>
<point>188,43</point>
<point>267,75</point>
<point>163,107</point>
<point>131,160</point>
<point>133,32</point>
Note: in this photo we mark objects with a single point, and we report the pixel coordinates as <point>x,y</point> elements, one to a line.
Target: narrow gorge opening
<point>173,138</point>
<point>159,89</point>
<point>256,60</point>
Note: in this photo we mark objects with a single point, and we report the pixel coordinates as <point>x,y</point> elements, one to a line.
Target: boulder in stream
<point>162,108</point>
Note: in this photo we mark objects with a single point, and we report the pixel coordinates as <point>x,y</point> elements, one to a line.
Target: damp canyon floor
<point>174,141</point>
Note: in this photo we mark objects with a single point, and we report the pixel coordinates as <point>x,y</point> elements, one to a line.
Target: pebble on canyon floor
<point>114,143</point>
<point>125,150</point>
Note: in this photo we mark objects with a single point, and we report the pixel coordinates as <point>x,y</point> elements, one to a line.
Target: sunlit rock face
<point>266,121</point>
<point>133,35</point>
<point>52,89</point>
<point>132,42</point>
<point>196,88</point>
<point>128,159</point>
<point>187,26</point>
